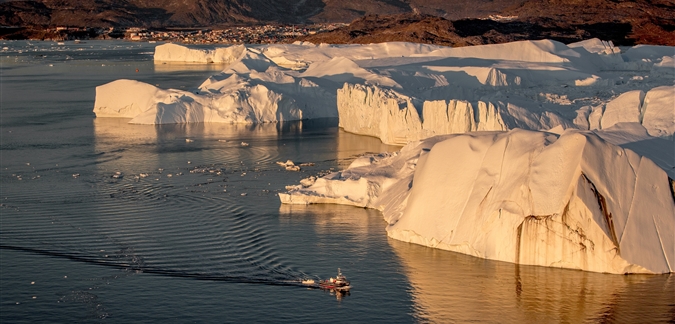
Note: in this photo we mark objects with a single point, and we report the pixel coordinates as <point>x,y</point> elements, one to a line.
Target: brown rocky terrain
<point>650,21</point>
<point>622,22</point>
<point>455,23</point>
<point>184,13</point>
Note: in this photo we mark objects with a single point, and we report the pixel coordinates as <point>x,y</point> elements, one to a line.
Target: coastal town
<point>255,34</point>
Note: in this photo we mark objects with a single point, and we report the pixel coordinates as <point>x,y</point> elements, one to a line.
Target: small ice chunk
<point>293,188</point>
<point>307,182</point>
<point>289,165</point>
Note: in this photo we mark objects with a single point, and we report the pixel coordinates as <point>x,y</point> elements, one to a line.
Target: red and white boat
<point>339,283</point>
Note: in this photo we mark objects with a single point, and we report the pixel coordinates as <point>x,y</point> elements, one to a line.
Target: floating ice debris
<point>289,165</point>
<point>75,175</point>
<point>243,194</point>
<point>32,282</point>
<point>307,164</point>
<point>222,140</point>
<point>187,140</point>
<point>143,175</point>
<point>189,162</point>
<point>169,175</point>
<point>27,163</point>
<point>117,175</point>
<point>244,144</point>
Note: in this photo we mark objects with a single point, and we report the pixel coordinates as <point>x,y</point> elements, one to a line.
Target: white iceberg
<point>178,53</point>
<point>534,85</point>
<point>528,197</point>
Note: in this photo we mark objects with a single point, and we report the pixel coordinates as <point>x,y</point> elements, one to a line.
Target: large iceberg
<point>528,197</point>
<point>423,90</point>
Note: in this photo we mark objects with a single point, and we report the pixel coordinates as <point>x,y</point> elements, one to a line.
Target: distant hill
<point>649,21</point>
<point>456,22</point>
<point>622,22</point>
<point>191,13</point>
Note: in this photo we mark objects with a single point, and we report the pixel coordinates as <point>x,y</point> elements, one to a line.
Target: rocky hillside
<point>456,23</point>
<point>647,21</point>
<point>190,13</point>
<point>623,22</point>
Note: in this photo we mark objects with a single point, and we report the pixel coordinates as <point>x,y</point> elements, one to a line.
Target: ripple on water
<point>178,226</point>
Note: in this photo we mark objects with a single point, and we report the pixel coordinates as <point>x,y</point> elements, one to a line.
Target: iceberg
<point>178,53</point>
<point>528,197</point>
<point>422,90</point>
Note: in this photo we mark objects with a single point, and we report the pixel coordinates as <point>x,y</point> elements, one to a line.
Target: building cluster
<point>264,34</point>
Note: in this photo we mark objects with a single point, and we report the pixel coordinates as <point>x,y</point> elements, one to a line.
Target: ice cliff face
<point>395,118</point>
<point>177,53</point>
<point>398,119</point>
<point>569,201</point>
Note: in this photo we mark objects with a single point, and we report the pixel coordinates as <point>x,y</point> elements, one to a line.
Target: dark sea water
<point>193,231</point>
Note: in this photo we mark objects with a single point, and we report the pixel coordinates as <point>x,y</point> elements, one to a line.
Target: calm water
<point>194,231</point>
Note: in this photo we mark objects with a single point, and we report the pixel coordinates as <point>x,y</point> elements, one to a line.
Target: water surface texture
<point>103,221</point>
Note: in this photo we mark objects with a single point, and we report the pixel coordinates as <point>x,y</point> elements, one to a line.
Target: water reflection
<point>352,222</point>
<point>119,130</point>
<point>351,145</point>
<point>452,287</point>
<point>140,147</point>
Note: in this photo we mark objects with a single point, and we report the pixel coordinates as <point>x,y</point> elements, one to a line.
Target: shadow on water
<point>451,287</point>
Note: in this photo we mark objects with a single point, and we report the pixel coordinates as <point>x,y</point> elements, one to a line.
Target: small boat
<point>339,283</point>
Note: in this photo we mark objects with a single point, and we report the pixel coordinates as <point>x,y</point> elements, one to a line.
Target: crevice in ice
<point>518,238</point>
<point>605,212</point>
<point>663,248</point>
